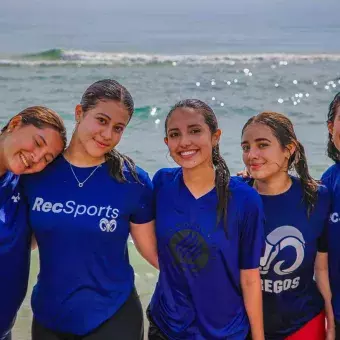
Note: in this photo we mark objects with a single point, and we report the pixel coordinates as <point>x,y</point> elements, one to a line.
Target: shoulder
<point>9,181</point>
<point>165,176</point>
<point>331,174</point>
<point>142,176</point>
<point>242,191</point>
<point>53,169</point>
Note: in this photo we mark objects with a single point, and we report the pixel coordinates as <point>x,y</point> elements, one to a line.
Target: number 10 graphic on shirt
<point>276,241</point>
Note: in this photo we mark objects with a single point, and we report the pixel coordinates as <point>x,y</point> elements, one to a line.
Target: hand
<point>244,174</point>
<point>330,333</point>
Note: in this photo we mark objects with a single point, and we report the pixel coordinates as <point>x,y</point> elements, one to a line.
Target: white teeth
<point>188,153</point>
<point>22,157</point>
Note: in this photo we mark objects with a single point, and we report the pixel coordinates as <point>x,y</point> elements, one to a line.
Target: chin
<point>188,164</point>
<point>17,169</point>
<point>258,175</point>
<point>97,153</point>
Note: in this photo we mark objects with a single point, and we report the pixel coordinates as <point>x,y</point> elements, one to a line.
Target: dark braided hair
<point>283,130</point>
<point>104,90</point>
<point>222,174</point>
<point>332,151</point>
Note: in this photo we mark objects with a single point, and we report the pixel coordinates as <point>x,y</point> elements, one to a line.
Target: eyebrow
<point>189,126</point>
<point>43,139</point>
<point>104,114</point>
<point>257,140</point>
<point>109,118</point>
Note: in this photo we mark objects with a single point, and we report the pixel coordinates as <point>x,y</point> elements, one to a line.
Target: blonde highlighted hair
<point>41,117</point>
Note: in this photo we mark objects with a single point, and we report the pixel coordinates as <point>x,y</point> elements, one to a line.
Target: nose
<point>253,153</point>
<point>107,133</point>
<point>38,155</point>
<point>184,141</point>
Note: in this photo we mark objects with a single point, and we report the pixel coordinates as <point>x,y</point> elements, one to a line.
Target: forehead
<point>182,117</point>
<point>337,112</point>
<point>115,110</point>
<point>50,135</point>
<point>256,131</point>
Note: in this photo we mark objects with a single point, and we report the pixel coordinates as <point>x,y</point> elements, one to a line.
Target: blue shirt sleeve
<point>144,211</point>
<point>8,183</point>
<point>252,233</point>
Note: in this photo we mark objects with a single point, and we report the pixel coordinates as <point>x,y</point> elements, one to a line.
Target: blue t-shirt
<point>198,295</point>
<point>85,275</point>
<point>14,249</point>
<point>290,294</point>
<point>331,178</point>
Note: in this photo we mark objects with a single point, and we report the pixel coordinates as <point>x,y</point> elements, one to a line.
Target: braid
<point>222,178</point>
<point>309,184</point>
<point>116,162</point>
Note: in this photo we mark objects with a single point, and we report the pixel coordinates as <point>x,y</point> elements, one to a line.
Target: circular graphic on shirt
<point>276,241</point>
<point>189,249</point>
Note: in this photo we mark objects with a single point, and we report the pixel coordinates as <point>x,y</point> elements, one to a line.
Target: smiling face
<point>189,138</point>
<point>100,128</point>
<point>263,155</point>
<point>334,129</point>
<point>28,149</point>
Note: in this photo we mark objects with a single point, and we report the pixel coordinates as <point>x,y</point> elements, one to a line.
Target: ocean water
<point>240,57</point>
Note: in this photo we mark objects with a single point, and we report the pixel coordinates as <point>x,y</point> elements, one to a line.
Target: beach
<point>240,59</point>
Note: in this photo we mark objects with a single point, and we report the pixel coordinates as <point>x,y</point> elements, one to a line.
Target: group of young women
<point>244,257</point>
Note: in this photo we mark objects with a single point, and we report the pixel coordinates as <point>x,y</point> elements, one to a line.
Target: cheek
<point>245,158</point>
<point>336,128</point>
<point>172,145</point>
<point>87,130</point>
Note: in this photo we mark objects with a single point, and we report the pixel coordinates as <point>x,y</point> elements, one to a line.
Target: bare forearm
<point>144,239</point>
<point>322,281</point>
<point>252,295</point>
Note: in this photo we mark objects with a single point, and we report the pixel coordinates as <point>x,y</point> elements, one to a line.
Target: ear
<point>289,150</point>
<point>215,139</point>
<point>330,126</point>
<point>15,123</point>
<point>166,140</point>
<point>78,113</point>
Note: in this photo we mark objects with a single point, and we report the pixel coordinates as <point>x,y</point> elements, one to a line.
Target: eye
<point>245,148</point>
<point>36,142</point>
<point>173,134</point>
<point>101,120</point>
<point>263,145</point>
<point>119,129</point>
<point>48,159</point>
<point>195,131</point>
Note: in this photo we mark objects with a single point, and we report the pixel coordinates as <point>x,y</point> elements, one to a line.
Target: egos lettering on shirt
<point>279,286</point>
<point>71,207</point>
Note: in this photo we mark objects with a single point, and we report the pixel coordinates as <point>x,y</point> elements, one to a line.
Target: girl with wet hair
<point>28,143</point>
<point>331,178</point>
<point>82,210</point>
<point>209,229</point>
<point>296,210</point>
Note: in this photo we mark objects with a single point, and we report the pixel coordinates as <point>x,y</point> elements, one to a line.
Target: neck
<point>275,185</point>
<point>200,180</point>
<point>3,167</point>
<point>78,156</point>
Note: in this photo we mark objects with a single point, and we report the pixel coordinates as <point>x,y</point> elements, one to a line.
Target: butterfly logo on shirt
<point>108,226</point>
<point>16,198</point>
